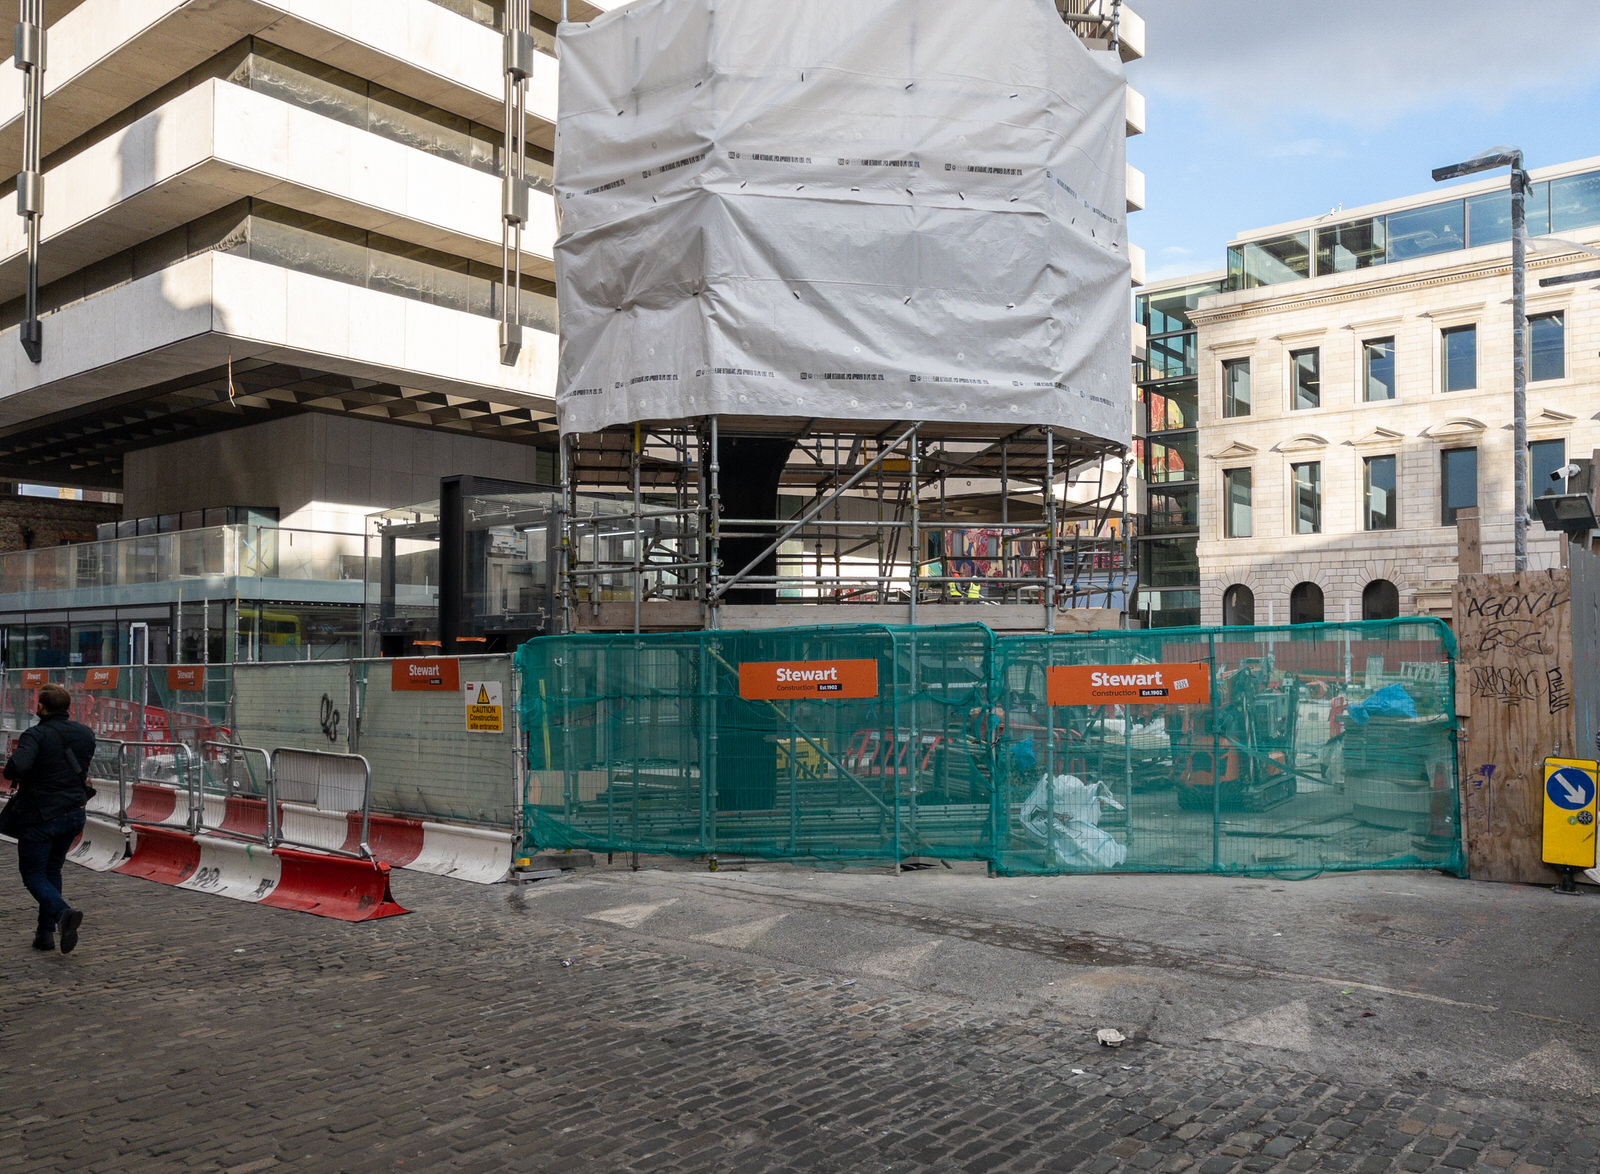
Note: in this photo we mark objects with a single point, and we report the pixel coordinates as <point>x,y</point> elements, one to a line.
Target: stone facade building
<point>1354,382</point>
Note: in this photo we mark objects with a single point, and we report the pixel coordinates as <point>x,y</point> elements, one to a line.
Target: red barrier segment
<point>482,856</point>
<point>340,887</point>
<point>243,816</point>
<point>150,802</point>
<point>333,886</point>
<point>393,840</point>
<point>162,855</point>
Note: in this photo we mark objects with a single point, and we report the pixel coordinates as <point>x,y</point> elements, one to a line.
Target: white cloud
<point>1363,63</point>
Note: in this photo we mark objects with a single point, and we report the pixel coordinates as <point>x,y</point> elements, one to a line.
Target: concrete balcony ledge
<point>1134,113</point>
<point>198,314</point>
<point>1135,188</point>
<point>220,142</point>
<point>104,55</point>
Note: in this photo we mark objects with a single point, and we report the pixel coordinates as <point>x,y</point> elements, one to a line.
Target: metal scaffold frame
<point>882,512</point>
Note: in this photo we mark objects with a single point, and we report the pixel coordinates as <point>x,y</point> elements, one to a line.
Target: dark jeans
<point>41,851</point>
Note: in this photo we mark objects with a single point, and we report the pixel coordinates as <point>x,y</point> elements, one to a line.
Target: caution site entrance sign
<point>486,713</point>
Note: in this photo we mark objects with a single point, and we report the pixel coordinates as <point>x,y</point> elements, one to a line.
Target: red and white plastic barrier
<point>341,887</point>
<point>479,855</point>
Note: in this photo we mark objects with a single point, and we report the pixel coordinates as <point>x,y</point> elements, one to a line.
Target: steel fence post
<point>273,831</point>
<point>1216,765</point>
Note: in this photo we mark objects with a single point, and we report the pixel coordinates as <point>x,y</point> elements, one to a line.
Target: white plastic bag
<point>1077,837</point>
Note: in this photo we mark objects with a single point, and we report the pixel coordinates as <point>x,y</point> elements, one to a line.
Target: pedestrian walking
<point>46,813</point>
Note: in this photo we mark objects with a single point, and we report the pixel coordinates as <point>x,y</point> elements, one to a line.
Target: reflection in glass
<point>1174,510</point>
<point>1458,347</point>
<point>1170,562</point>
<point>1238,607</point>
<point>1458,483</point>
<point>1544,458</point>
<point>1167,311</point>
<point>1170,609</point>
<point>1171,357</point>
<point>1489,215</point>
<point>1308,497</point>
<point>1307,376</point>
<point>1378,486</point>
<point>1236,387</point>
<point>1378,364</point>
<point>1345,247</point>
<point>1236,493</point>
<point>1421,232</point>
<point>1174,458</point>
<point>1172,406</point>
<point>1267,262</point>
<point>1547,346</point>
<point>1575,202</point>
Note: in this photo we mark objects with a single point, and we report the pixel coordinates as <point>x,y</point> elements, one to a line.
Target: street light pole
<point>1519,362</point>
<point>1512,157</point>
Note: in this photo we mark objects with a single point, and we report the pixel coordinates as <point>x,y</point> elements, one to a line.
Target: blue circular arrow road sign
<point>1570,789</point>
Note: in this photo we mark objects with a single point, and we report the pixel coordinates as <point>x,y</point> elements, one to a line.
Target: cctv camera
<point>1564,472</point>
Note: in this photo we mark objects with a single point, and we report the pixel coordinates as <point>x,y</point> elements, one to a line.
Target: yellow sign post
<point>1569,815</point>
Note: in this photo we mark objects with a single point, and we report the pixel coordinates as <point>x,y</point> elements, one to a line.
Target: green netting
<point>1325,746</point>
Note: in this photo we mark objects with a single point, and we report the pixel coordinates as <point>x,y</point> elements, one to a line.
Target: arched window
<point>1239,606</point>
<point>1305,604</point>
<point>1380,600</point>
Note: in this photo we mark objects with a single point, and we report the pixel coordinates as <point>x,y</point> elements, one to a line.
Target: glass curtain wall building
<point>1168,454</point>
<point>1552,206</point>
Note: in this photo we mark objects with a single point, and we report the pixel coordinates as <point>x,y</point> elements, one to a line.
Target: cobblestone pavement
<point>491,1031</point>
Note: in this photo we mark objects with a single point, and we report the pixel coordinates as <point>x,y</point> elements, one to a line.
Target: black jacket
<point>48,786</point>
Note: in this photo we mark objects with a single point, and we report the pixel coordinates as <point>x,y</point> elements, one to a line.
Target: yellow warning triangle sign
<point>483,696</point>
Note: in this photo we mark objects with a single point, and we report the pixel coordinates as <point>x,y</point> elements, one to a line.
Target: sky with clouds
<point>1261,111</point>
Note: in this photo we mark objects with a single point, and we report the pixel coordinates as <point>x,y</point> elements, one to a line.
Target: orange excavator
<point>1239,754</point>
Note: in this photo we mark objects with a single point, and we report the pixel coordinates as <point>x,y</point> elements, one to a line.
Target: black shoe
<point>44,940</point>
<point>70,920</point>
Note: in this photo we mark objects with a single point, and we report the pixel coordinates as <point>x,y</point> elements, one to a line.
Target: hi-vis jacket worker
<point>968,590</point>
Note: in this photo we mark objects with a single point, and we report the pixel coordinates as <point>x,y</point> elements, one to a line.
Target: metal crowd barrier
<point>183,776</point>
<point>322,782</point>
<point>300,798</point>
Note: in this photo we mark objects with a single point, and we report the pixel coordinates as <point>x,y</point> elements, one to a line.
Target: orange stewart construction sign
<point>188,677</point>
<point>100,679</point>
<point>425,673</point>
<point>810,680</point>
<point>1129,684</point>
<point>35,678</point>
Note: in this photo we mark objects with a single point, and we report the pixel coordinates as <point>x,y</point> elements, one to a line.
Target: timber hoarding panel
<point>1515,637</point>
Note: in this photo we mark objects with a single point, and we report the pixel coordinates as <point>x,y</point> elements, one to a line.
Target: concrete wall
<point>318,470</point>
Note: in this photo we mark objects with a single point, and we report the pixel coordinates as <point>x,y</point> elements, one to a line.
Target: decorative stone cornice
<point>1235,451</point>
<point>1454,429</point>
<point>1383,437</point>
<point>1290,300</point>
<point>1308,442</point>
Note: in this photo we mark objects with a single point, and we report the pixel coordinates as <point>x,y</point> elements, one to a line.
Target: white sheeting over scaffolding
<point>895,209</point>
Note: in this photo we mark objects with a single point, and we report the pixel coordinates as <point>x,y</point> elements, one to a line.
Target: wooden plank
<point>1515,636</point>
<point>1469,545</point>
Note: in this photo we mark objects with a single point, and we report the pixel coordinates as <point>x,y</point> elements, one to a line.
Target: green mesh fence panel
<point>1314,747</point>
<point>645,742</point>
<point>1326,746</point>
